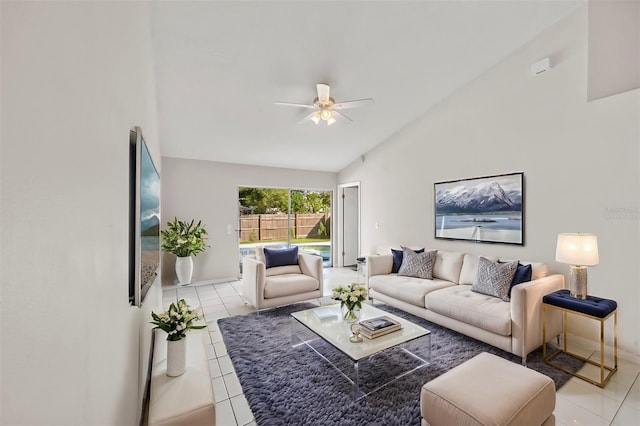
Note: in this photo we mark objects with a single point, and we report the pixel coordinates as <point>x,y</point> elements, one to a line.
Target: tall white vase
<point>184,269</point>
<point>176,357</point>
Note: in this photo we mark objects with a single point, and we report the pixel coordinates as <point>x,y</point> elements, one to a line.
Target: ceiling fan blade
<point>294,104</point>
<point>353,104</point>
<point>307,117</point>
<point>341,116</point>
<point>323,93</point>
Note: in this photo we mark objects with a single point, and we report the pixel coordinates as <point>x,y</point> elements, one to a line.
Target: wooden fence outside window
<point>273,227</point>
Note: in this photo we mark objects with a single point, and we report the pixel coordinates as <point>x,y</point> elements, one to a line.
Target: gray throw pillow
<point>419,265</point>
<point>494,278</point>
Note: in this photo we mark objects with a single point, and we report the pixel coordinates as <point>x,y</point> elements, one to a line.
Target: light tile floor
<point>577,402</point>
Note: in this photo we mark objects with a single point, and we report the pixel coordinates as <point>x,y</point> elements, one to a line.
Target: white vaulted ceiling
<point>220,65</point>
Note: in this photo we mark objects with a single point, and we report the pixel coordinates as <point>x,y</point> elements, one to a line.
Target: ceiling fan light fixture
<point>325,107</point>
<point>325,114</point>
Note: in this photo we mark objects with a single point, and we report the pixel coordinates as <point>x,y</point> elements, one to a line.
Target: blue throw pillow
<point>280,257</point>
<point>397,259</point>
<point>523,275</point>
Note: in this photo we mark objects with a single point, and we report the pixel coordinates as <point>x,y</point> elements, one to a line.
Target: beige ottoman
<point>488,390</point>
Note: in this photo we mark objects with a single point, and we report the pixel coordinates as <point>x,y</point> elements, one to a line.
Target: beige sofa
<point>266,287</point>
<point>447,300</point>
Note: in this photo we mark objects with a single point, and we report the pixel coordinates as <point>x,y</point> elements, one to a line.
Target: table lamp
<point>579,251</point>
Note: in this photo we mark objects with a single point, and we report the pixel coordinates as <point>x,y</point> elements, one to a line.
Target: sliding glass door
<point>285,217</point>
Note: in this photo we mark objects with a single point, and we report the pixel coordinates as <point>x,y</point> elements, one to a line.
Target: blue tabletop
<point>592,305</point>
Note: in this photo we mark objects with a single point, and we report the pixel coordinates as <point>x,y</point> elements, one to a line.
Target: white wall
<point>208,191</point>
<point>75,78</point>
<point>614,47</point>
<point>580,161</point>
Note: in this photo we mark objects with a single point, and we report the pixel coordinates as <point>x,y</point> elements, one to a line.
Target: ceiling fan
<point>325,107</point>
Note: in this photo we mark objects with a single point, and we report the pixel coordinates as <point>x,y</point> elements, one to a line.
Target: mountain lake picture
<point>484,209</point>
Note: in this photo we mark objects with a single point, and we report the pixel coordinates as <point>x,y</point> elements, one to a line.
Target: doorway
<point>348,224</point>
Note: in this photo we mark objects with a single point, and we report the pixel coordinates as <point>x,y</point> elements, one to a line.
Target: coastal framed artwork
<point>488,209</point>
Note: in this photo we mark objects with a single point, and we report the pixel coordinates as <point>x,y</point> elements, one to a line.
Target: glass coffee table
<point>337,333</point>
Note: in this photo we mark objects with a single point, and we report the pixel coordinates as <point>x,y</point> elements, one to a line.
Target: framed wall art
<point>487,209</point>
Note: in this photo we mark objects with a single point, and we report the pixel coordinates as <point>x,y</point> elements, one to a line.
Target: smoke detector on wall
<point>541,66</point>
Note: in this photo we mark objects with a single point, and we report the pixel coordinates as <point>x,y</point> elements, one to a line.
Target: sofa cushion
<point>470,268</point>
<point>288,284</point>
<point>479,310</point>
<point>398,256</point>
<point>281,256</point>
<point>448,265</point>
<point>494,278</point>
<point>280,270</point>
<point>419,265</point>
<point>538,270</point>
<point>407,289</point>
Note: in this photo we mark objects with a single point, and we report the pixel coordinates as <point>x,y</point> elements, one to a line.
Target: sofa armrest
<point>253,279</point>
<point>379,264</point>
<point>526,313</point>
<point>311,265</point>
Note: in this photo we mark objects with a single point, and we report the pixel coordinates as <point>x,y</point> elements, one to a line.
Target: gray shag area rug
<point>286,385</point>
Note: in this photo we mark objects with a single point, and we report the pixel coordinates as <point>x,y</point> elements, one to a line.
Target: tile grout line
<point>225,384</point>
<point>233,410</point>
<point>215,355</point>
<point>626,395</point>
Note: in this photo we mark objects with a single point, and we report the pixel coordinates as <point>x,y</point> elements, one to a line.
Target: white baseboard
<point>200,283</point>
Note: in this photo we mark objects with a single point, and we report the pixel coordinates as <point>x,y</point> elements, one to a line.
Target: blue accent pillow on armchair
<point>280,257</point>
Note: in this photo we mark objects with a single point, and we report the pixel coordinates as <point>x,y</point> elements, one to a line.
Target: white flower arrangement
<point>350,296</point>
<point>177,320</point>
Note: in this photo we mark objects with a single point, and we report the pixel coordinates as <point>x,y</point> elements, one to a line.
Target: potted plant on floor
<point>185,240</point>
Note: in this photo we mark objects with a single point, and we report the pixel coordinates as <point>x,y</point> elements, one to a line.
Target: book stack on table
<point>379,326</point>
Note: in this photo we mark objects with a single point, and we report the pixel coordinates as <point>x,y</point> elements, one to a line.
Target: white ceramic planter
<point>184,269</point>
<point>176,357</point>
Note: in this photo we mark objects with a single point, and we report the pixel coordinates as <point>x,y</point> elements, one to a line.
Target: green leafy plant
<point>322,230</point>
<point>177,320</point>
<point>184,238</point>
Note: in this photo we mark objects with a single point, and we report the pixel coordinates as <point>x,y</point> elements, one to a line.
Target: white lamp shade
<point>577,249</point>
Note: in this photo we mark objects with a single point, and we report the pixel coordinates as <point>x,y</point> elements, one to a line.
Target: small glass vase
<point>350,315</point>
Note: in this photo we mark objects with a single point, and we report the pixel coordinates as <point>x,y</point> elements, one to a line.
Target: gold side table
<point>592,307</point>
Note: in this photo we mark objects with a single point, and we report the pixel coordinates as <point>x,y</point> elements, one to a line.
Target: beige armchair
<point>266,287</point>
